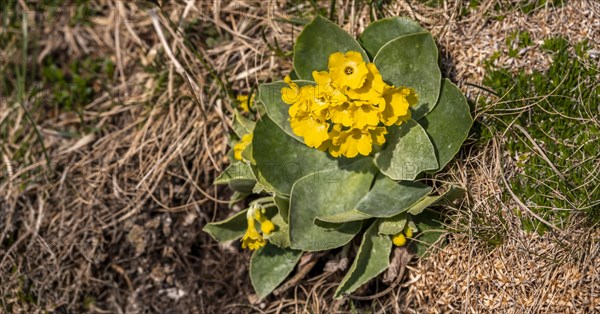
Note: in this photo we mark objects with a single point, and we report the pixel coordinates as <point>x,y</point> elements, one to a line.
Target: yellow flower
<point>378,135</point>
<point>241,145</point>
<point>365,115</point>
<point>304,102</point>
<point>311,128</point>
<point>399,239</point>
<point>252,239</point>
<point>354,141</point>
<point>342,114</point>
<point>334,150</point>
<point>266,226</point>
<point>326,92</point>
<point>290,94</point>
<point>245,103</point>
<point>373,87</point>
<point>397,103</point>
<point>347,70</point>
<point>322,77</point>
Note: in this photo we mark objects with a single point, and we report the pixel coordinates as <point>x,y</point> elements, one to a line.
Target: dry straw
<point>114,224</point>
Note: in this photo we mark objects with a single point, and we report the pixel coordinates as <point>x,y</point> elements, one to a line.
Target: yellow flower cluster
<point>350,107</point>
<point>252,239</point>
<point>400,238</point>
<point>245,102</point>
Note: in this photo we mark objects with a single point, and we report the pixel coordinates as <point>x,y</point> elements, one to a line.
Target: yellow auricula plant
<point>349,108</point>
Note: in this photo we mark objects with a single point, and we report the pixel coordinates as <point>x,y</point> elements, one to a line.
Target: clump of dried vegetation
<point>114,119</point>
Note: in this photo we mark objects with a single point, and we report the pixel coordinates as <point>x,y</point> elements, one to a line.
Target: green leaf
<point>430,229</point>
<point>412,61</point>
<point>239,176</point>
<point>281,236</point>
<point>269,267</point>
<point>434,199</point>
<point>247,153</point>
<point>281,161</point>
<point>388,197</point>
<point>393,225</point>
<point>372,259</point>
<point>241,125</point>
<point>408,152</point>
<point>379,33</point>
<point>236,171</point>
<point>229,229</point>
<point>262,184</point>
<point>424,203</point>
<point>270,96</point>
<point>317,195</point>
<point>318,40</point>
<point>236,197</point>
<point>347,216</point>
<point>283,204</point>
<point>448,124</point>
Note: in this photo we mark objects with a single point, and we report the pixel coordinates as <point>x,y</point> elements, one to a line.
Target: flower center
<point>348,70</point>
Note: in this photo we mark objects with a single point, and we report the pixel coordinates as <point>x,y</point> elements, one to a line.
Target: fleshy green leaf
<point>269,267</point>
<point>236,171</point>
<point>379,33</point>
<point>430,229</point>
<point>347,216</point>
<point>388,197</point>
<point>393,225</point>
<point>424,203</point>
<point>261,184</point>
<point>434,199</point>
<point>229,229</point>
<point>372,259</point>
<point>408,152</point>
<point>396,224</point>
<point>318,40</point>
<point>281,236</point>
<point>247,154</point>
<point>239,176</point>
<point>318,195</point>
<point>283,204</point>
<point>449,123</point>
<point>270,96</point>
<point>412,61</point>
<point>236,197</point>
<point>241,125</point>
<point>281,161</point>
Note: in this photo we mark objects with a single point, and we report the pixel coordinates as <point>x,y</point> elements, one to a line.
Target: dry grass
<point>114,225</point>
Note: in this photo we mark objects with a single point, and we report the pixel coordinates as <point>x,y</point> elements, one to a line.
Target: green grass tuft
<point>559,110</point>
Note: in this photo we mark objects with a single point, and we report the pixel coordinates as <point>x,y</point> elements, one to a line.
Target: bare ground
<point>114,224</point>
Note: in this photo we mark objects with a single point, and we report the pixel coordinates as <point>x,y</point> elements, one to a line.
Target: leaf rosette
<point>343,151</point>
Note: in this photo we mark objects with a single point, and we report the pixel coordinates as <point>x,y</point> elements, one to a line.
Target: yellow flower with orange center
<point>348,70</point>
